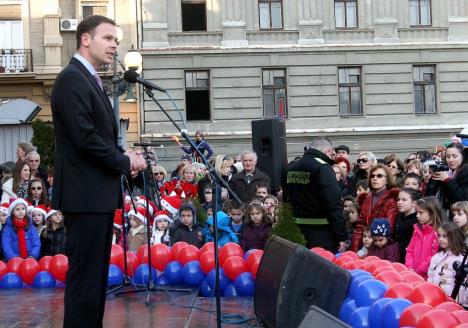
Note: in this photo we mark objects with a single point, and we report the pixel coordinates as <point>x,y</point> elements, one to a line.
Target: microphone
<point>131,76</point>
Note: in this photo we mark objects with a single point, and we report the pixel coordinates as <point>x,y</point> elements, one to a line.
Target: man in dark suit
<point>88,166</point>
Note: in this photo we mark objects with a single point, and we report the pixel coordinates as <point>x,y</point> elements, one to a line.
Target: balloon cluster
<point>382,294</point>
<point>49,272</point>
<point>185,264</point>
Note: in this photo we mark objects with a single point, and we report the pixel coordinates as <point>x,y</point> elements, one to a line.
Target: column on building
<point>52,39</point>
<point>155,24</point>
<point>310,22</point>
<point>386,22</point>
<point>234,26</point>
<point>458,20</point>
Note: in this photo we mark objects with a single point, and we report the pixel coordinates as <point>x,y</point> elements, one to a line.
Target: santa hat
<point>140,214</point>
<point>142,201</point>
<point>162,215</point>
<point>41,209</point>
<point>16,202</point>
<point>4,208</point>
<point>118,220</point>
<point>50,213</point>
<point>29,209</point>
<point>171,204</point>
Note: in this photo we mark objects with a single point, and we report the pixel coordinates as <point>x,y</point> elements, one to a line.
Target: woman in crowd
<point>365,162</point>
<point>186,187</point>
<point>396,168</point>
<point>22,150</point>
<point>17,185</point>
<point>37,194</point>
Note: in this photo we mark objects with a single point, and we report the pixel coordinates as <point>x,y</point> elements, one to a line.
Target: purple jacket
<point>389,252</point>
<point>255,236</point>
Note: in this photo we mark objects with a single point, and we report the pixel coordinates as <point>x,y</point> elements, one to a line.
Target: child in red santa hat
<point>38,216</point>
<point>137,235</point>
<point>161,228</point>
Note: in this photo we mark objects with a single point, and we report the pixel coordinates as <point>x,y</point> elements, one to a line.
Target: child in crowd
<point>117,237</point>
<point>451,244</point>
<point>38,215</point>
<point>351,216</point>
<point>188,231</point>
<point>137,235</point>
<point>161,229</point>
<point>415,167</point>
<point>37,193</point>
<point>423,244</point>
<point>270,203</point>
<point>362,186</point>
<point>460,215</point>
<point>3,220</point>
<point>19,237</point>
<point>53,238</point>
<point>348,201</point>
<point>225,233</point>
<point>366,242</point>
<point>405,219</point>
<point>257,228</point>
<point>413,181</point>
<point>383,246</point>
<point>236,213</point>
<point>261,190</point>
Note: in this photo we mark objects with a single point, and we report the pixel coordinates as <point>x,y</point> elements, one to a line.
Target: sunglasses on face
<point>362,160</point>
<point>36,188</point>
<point>378,175</point>
<point>159,173</point>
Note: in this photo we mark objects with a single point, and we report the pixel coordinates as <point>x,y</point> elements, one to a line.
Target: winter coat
<point>442,274</point>
<point>10,241</point>
<point>136,238</point>
<point>422,247</point>
<point>255,236</point>
<point>202,146</point>
<point>180,188</point>
<point>389,252</point>
<point>386,207</point>
<point>239,184</point>
<point>404,232</point>
<point>192,236</point>
<point>160,237</point>
<point>225,235</point>
<point>53,242</point>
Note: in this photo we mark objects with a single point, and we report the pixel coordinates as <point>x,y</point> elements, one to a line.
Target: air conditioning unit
<point>68,24</point>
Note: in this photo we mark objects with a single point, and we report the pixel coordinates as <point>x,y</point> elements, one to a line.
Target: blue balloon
<point>369,291</point>
<point>205,289</point>
<point>250,251</point>
<point>173,272</point>
<point>141,275</point>
<point>44,279</point>
<point>115,276</point>
<point>392,311</point>
<point>359,272</point>
<point>11,280</point>
<point>245,284</point>
<point>353,285</point>
<point>192,274</point>
<point>223,279</point>
<point>162,280</point>
<point>375,312</point>
<point>348,307</point>
<point>359,318</point>
<point>230,291</point>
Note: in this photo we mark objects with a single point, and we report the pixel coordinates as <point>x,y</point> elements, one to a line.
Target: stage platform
<point>30,307</point>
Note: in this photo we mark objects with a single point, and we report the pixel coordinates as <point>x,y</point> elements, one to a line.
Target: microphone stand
<point>216,181</point>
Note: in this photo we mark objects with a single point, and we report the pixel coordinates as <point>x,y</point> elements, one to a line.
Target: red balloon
<point>28,270</point>
<point>351,254</point>
<point>411,315</point>
<point>317,249</point>
<point>234,266</point>
<point>449,306</point>
<point>343,259</point>
<point>254,257</point>
<point>207,261</point>
<point>3,269</point>
<point>187,254</point>
<point>132,263</point>
<point>177,247</point>
<point>14,263</point>
<point>461,316</point>
<point>59,267</point>
<point>44,263</point>
<point>372,258</point>
<point>437,319</point>
<point>228,250</point>
<point>116,254</point>
<point>142,254</point>
<point>254,269</point>
<point>462,325</point>
<point>161,255</point>
<point>209,246</point>
<point>427,293</point>
<point>399,290</point>
<point>348,265</point>
<point>399,267</point>
<point>411,276</point>
<point>379,270</point>
<point>389,277</point>
<point>326,255</point>
<point>357,264</point>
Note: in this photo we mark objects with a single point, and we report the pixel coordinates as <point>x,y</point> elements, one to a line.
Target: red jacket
<point>179,188</point>
<point>386,207</point>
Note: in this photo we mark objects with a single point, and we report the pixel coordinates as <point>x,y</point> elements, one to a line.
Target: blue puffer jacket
<point>226,234</point>
<point>10,241</point>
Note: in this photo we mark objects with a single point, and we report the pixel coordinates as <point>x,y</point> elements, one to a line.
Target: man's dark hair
<point>88,25</point>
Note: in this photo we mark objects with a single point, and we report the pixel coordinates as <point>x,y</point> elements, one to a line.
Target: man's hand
<point>137,162</point>
<point>440,176</point>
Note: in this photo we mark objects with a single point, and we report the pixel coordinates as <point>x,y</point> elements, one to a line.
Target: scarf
<point>20,225</point>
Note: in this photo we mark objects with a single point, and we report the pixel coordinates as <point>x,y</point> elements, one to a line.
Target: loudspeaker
<point>269,142</point>
<point>318,318</point>
<point>291,278</point>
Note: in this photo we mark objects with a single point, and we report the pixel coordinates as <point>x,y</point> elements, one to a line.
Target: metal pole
<point>115,94</point>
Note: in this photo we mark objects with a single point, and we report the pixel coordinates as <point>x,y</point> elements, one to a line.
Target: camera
<point>437,166</point>
<point>457,266</point>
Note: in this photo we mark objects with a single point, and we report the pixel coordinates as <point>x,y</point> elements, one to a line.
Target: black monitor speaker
<point>291,278</point>
<point>318,318</point>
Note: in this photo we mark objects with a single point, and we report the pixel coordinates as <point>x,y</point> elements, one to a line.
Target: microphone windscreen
<point>130,76</point>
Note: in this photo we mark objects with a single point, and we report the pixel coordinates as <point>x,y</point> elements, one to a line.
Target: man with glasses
<point>313,192</point>
<point>37,171</point>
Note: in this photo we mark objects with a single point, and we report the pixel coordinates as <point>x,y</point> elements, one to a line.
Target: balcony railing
<point>16,61</point>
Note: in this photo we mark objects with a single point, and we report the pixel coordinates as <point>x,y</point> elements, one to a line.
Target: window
<point>424,89</point>
<point>349,90</point>
<point>197,95</point>
<point>346,14</point>
<point>274,93</point>
<point>11,34</point>
<point>420,12</point>
<point>193,15</point>
<point>94,8</point>
<point>271,14</point>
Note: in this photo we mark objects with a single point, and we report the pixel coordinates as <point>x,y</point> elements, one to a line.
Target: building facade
<point>381,75</point>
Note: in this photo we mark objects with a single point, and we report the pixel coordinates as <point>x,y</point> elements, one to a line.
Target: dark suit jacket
<point>88,162</point>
